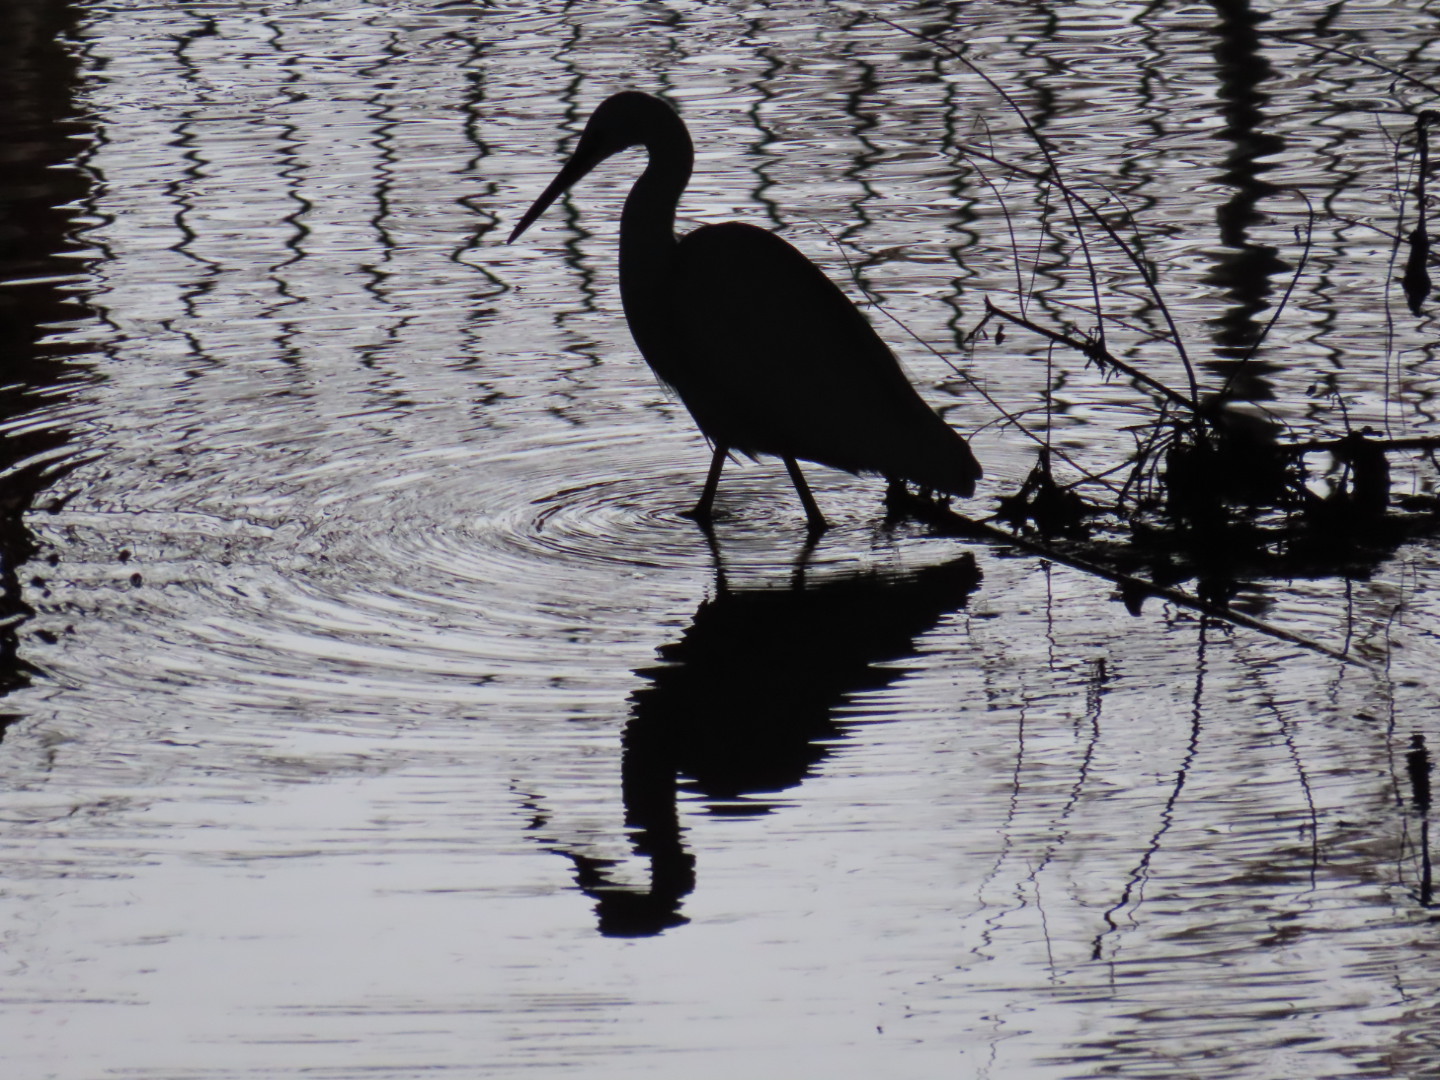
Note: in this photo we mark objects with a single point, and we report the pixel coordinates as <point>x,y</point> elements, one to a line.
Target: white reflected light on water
<point>349,750</point>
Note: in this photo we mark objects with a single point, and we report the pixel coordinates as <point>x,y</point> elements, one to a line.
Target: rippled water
<point>372,711</point>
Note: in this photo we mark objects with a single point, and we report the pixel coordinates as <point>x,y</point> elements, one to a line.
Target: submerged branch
<point>1133,589</point>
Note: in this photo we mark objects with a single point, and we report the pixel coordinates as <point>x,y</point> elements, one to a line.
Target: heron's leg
<point>813,516</point>
<point>701,510</point>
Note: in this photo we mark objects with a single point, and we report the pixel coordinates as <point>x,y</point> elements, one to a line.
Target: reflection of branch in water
<point>745,704</point>
<point>1133,895</point>
<point>1243,266</point>
<point>1419,766</point>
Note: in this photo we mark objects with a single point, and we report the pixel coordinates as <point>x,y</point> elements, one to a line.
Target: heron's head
<point>620,122</point>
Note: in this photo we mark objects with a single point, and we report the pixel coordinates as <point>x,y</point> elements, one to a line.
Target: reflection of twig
<point>1418,766</point>
<point>1416,281</point>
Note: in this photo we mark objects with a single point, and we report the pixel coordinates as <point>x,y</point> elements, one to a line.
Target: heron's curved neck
<point>647,224</point>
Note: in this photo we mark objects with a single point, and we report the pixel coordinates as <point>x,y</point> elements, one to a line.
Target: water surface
<point>372,711</point>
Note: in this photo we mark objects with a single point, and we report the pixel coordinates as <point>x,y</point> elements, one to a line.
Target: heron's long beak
<point>587,155</point>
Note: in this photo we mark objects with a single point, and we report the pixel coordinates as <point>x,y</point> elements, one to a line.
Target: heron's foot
<point>815,525</point>
<point>700,514</point>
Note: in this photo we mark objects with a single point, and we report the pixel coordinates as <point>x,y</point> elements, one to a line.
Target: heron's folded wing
<point>777,354</point>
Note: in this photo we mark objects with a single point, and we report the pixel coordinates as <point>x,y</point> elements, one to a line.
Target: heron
<point>767,353</point>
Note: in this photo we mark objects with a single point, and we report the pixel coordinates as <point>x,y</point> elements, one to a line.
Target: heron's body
<point>769,356</point>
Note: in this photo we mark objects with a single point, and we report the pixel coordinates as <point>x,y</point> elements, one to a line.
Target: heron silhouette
<point>769,356</point>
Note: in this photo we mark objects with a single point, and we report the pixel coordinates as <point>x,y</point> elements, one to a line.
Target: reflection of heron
<point>745,705</point>
<point>766,353</point>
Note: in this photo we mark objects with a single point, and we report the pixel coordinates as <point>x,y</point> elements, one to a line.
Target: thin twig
<point>1292,37</point>
<point>1053,175</point>
<point>1146,274</point>
<point>1096,351</point>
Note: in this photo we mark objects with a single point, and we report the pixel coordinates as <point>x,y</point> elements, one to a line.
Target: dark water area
<point>370,708</point>
<point>39,186</point>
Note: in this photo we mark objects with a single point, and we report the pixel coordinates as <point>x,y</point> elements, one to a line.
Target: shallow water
<point>374,712</point>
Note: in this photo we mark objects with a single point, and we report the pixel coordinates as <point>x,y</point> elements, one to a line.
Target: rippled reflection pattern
<point>371,711</point>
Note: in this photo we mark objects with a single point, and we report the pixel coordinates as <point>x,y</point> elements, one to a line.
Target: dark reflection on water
<point>39,184</point>
<point>746,705</point>
<point>1244,269</point>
